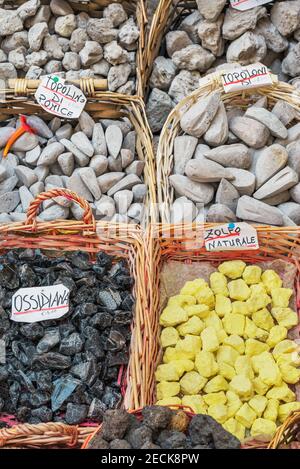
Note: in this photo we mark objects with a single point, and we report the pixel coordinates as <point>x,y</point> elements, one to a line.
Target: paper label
<point>251,76</point>
<point>60,99</point>
<point>243,5</point>
<point>40,303</point>
<point>231,237</point>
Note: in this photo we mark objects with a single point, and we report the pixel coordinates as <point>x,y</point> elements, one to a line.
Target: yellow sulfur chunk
<point>268,370</point>
<point>292,359</point>
<point>258,404</point>
<point>193,326</point>
<point>215,398</point>
<point>285,346</point>
<point>189,346</point>
<point>218,284</point>
<point>223,305</point>
<point>255,347</point>
<point>271,280</point>
<point>182,300</point>
<point>282,393</point>
<point>232,269</point>
<point>258,289</point>
<point>263,427</point>
<point>276,335</point>
<point>243,366</point>
<point>213,320</point>
<point>196,403</point>
<point>252,274</point>
<point>285,317</point>
<point>271,411</point>
<point>245,415</point>
<point>227,354</point>
<point>261,335</point>
<point>236,342</point>
<point>222,335</point>
<point>206,297</point>
<point>259,386</point>
<point>250,330</point>
<point>227,371</point>
<point>234,323</point>
<point>205,364</point>
<point>192,383</point>
<point>240,307</point>
<point>281,297</point>
<point>284,410</point>
<point>172,316</point>
<point>239,290</point>
<point>183,365</point>
<point>169,401</point>
<point>210,341</point>
<point>290,374</point>
<point>218,412</point>
<point>166,372</point>
<point>167,389</point>
<point>192,287</point>
<point>170,355</point>
<point>197,310</point>
<point>242,386</point>
<point>256,361</point>
<point>233,403</point>
<point>216,384</point>
<point>235,428</point>
<point>258,301</point>
<point>263,319</point>
<point>169,336</point>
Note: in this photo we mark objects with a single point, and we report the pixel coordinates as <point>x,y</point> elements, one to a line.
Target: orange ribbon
<point>24,127</point>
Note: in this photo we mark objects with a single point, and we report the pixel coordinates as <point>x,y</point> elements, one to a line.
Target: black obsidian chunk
<point>66,369</point>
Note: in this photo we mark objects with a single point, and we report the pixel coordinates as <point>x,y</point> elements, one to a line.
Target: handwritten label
<point>40,303</point>
<point>59,98</point>
<point>243,5</point>
<point>231,237</point>
<point>251,76</point>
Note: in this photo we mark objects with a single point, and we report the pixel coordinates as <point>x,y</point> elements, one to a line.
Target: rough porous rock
<point>42,39</point>
<point>210,35</point>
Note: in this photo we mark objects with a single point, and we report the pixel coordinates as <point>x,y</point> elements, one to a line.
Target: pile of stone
<point>237,164</point>
<point>67,369</point>
<point>38,39</point>
<point>97,160</point>
<point>215,34</point>
<point>161,428</point>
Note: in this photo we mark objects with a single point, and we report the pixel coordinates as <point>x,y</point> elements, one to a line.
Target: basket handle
<point>33,208</point>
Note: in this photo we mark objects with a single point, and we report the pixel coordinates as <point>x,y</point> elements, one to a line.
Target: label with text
<point>59,98</point>
<point>243,5</point>
<point>40,303</point>
<point>250,76</point>
<point>231,237</point>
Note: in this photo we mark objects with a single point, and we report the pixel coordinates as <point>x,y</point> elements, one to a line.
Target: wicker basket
<point>184,243</point>
<point>94,8</point>
<point>172,129</point>
<point>123,242</point>
<point>287,432</point>
<point>102,105</point>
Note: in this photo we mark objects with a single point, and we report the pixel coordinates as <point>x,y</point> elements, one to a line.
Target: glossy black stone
<point>65,369</point>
